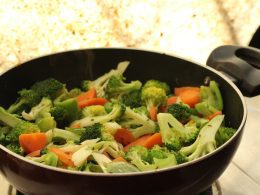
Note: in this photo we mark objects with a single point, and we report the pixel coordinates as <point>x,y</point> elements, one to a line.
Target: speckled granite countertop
<point>190,29</point>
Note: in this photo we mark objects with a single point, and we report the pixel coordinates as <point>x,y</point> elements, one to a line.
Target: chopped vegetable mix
<point>111,125</point>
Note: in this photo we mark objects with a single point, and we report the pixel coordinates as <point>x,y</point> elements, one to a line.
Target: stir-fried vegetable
<point>111,125</point>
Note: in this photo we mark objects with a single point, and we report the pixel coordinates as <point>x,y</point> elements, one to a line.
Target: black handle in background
<point>255,41</point>
<point>241,64</point>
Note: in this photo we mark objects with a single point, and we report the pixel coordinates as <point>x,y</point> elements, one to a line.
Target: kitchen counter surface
<point>190,29</point>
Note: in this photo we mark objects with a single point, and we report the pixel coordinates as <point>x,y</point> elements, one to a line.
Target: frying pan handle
<point>241,64</point>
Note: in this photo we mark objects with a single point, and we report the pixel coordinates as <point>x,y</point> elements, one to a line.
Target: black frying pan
<point>73,66</point>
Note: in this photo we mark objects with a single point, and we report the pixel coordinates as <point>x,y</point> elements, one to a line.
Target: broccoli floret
<point>224,134</point>
<point>116,87</point>
<point>91,167</point>
<point>181,112</point>
<point>211,99</point>
<point>74,93</point>
<point>41,114</point>
<point>104,131</point>
<point>49,158</point>
<point>86,85</point>
<point>27,99</point>
<point>158,84</point>
<point>43,107</point>
<point>31,97</point>
<point>174,134</point>
<point>200,122</point>
<point>138,123</point>
<point>15,147</point>
<point>205,142</point>
<point>18,126</point>
<point>117,111</point>
<point>95,110</point>
<point>108,130</point>
<point>138,156</point>
<point>161,157</point>
<point>109,106</point>
<point>48,88</point>
<point>100,83</point>
<point>91,132</point>
<point>141,110</point>
<point>65,112</point>
<point>60,116</point>
<point>153,97</point>
<point>132,99</point>
<point>22,127</point>
<point>205,109</point>
<point>145,160</point>
<point>3,132</point>
<point>157,152</point>
<point>180,158</point>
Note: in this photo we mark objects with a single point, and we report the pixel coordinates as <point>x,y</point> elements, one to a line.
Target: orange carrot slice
<point>87,95</point>
<point>32,141</point>
<point>124,136</point>
<point>63,157</point>
<point>188,95</point>
<point>213,115</point>
<point>92,101</point>
<point>155,139</point>
<point>153,113</point>
<point>139,142</point>
<point>119,159</point>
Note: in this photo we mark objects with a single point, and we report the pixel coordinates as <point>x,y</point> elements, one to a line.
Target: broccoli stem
<point>14,108</point>
<point>8,118</point>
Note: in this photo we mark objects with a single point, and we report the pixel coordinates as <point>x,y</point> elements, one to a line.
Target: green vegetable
<point>132,99</point>
<point>41,114</point>
<point>205,142</point>
<point>95,110</point>
<point>174,134</point>
<point>49,158</point>
<point>224,134</point>
<point>180,111</point>
<point>48,88</point>
<point>18,126</point>
<point>211,99</point>
<point>158,84</point>
<point>146,160</point>
<point>15,147</point>
<point>138,123</point>
<point>64,112</point>
<point>153,97</point>
<point>100,83</point>
<point>116,113</point>
<point>116,87</point>
<point>121,167</point>
<point>61,134</point>
<point>91,132</point>
<point>138,156</point>
<point>31,97</point>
